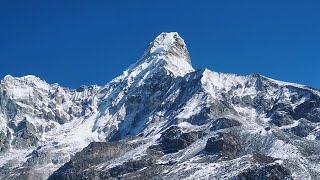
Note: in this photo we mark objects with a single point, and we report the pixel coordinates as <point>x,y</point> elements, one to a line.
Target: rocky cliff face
<point>160,119</point>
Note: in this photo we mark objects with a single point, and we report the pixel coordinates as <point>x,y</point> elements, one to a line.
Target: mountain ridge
<point>160,119</point>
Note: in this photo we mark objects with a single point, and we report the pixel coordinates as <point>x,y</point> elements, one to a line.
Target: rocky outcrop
<point>174,139</point>
<point>223,123</point>
<point>94,154</point>
<point>274,172</point>
<point>303,129</point>
<point>5,138</point>
<point>224,145</point>
<point>25,135</point>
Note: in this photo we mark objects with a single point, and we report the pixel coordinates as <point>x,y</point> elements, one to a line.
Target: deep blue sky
<point>91,42</point>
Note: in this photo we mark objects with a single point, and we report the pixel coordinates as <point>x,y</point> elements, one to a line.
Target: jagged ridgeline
<point>160,119</point>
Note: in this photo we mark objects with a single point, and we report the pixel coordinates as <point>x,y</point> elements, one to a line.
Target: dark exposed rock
<point>130,166</point>
<point>11,109</point>
<point>281,119</point>
<point>143,168</point>
<point>262,159</point>
<point>25,135</point>
<point>28,173</point>
<point>245,100</point>
<point>4,141</point>
<point>261,104</point>
<point>95,153</point>
<point>303,129</point>
<point>270,172</point>
<point>38,158</point>
<point>150,172</point>
<point>308,109</point>
<point>282,113</point>
<point>200,118</point>
<point>174,139</point>
<point>280,107</point>
<point>116,172</point>
<point>25,128</point>
<point>224,145</point>
<point>223,123</point>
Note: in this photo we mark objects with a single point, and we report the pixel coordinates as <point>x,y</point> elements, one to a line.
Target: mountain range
<point>160,119</point>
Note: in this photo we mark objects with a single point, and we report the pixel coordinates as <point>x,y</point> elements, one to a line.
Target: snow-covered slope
<point>160,119</point>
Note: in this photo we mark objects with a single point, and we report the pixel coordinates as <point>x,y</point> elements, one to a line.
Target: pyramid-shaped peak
<point>167,52</point>
<point>170,43</point>
<point>166,38</point>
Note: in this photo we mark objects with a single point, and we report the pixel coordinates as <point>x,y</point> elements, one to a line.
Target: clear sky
<point>91,42</point>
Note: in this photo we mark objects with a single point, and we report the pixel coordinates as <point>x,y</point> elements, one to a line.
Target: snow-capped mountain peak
<point>167,43</point>
<point>160,119</point>
<point>163,41</point>
<point>23,87</point>
<point>168,53</point>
